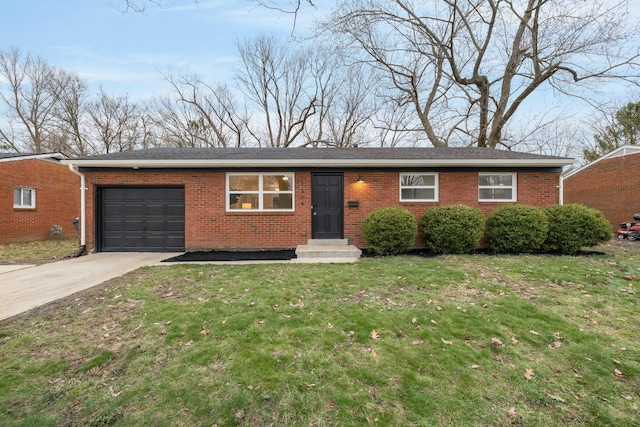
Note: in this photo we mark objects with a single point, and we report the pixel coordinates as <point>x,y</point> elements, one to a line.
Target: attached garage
<point>141,219</point>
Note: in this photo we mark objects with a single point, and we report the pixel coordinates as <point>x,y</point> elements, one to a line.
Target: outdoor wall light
<point>360,179</point>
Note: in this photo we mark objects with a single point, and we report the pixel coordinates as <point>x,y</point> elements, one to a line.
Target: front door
<point>327,205</point>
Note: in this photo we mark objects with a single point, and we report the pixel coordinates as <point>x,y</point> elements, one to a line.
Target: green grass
<point>453,340</point>
<point>37,252</point>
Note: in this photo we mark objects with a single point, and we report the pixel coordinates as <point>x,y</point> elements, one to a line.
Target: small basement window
<point>419,187</point>
<point>24,198</point>
<point>497,187</point>
<point>260,192</point>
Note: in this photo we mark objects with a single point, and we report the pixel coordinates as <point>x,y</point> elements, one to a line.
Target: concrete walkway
<point>25,287</point>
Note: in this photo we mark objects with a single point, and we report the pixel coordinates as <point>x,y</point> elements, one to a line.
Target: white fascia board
<point>315,163</point>
<point>48,156</point>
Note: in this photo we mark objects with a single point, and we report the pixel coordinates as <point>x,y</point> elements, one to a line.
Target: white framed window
<point>260,192</point>
<point>419,187</point>
<point>497,187</point>
<point>24,198</point>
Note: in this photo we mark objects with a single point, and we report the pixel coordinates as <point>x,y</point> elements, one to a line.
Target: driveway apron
<point>26,288</point>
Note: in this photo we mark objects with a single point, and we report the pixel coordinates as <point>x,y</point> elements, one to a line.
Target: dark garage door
<point>141,219</point>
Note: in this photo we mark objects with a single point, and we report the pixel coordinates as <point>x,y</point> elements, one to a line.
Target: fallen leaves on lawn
<point>374,335</point>
<point>554,345</point>
<point>558,398</point>
<point>496,342</point>
<point>512,413</point>
<point>446,342</point>
<point>618,373</point>
<point>528,374</point>
<point>533,333</point>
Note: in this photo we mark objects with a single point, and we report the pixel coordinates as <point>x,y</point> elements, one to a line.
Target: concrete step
<point>328,242</point>
<point>327,253</point>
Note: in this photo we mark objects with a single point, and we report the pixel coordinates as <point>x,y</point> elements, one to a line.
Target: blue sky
<point>129,52</point>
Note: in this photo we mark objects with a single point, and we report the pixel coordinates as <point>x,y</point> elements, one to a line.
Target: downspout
<point>561,189</point>
<point>83,206</point>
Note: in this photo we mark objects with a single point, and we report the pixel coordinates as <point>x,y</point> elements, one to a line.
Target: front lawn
<point>403,341</point>
<point>39,252</point>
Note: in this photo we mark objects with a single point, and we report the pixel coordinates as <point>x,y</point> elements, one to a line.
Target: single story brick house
<point>609,184</point>
<point>177,199</point>
<point>36,193</point>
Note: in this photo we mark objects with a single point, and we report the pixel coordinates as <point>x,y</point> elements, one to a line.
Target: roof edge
<point>42,156</point>
<point>370,163</point>
<point>615,153</point>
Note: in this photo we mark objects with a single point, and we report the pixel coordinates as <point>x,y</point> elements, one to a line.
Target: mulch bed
<point>268,255</point>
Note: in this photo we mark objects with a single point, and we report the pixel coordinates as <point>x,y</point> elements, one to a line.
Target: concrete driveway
<point>22,289</point>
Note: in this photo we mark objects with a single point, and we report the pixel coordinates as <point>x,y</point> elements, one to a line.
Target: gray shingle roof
<point>261,154</point>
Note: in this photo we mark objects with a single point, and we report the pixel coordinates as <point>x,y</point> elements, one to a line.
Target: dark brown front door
<point>327,205</point>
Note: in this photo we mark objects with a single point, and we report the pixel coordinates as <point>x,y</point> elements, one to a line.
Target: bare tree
<point>30,93</point>
<point>116,124</point>
<point>69,113</point>
<point>213,116</point>
<point>274,79</point>
<point>467,65</point>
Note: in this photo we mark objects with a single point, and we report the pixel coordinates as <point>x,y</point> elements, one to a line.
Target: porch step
<point>327,250</point>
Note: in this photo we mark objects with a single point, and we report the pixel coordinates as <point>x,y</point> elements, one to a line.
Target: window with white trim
<point>260,192</point>
<point>497,187</point>
<point>24,198</point>
<point>418,187</point>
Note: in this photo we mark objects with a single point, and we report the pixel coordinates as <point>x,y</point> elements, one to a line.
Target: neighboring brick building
<point>610,184</point>
<point>36,192</point>
<point>255,198</point>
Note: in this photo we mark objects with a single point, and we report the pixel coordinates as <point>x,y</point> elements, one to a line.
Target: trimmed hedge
<point>572,227</point>
<point>390,230</point>
<point>516,228</point>
<point>452,229</point>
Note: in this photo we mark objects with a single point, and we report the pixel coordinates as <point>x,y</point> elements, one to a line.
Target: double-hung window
<point>24,198</point>
<point>418,187</point>
<point>260,192</point>
<point>497,187</point>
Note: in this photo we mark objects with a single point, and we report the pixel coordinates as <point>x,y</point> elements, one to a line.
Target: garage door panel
<point>113,210</point>
<point>142,219</point>
<point>112,225</point>
<point>155,210</point>
<point>133,209</point>
<point>155,225</point>
<point>133,193</point>
<point>175,210</point>
<point>133,225</point>
<point>175,225</point>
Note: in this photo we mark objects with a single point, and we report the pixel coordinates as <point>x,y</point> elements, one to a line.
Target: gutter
<point>369,163</point>
<point>83,208</point>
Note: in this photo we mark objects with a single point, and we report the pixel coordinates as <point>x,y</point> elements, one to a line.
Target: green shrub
<point>452,229</point>
<point>517,228</point>
<point>390,231</point>
<point>572,227</point>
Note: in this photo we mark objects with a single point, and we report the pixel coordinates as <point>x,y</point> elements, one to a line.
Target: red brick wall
<point>610,185</point>
<point>209,226</point>
<point>57,200</point>
<point>381,189</point>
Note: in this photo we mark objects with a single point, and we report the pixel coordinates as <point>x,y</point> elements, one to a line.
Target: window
<point>419,187</point>
<point>24,197</point>
<point>260,192</point>
<point>497,187</point>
